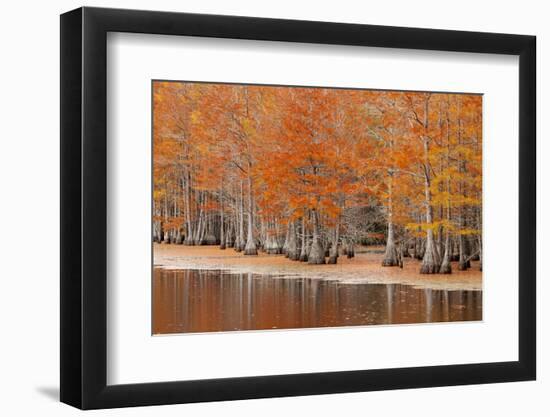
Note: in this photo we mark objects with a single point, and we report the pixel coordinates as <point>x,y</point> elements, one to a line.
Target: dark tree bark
<point>463,261</point>
<point>350,252</point>
<point>179,237</point>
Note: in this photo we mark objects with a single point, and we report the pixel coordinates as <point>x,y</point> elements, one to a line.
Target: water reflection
<point>207,301</point>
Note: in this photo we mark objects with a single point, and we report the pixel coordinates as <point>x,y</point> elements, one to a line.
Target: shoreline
<point>365,268</point>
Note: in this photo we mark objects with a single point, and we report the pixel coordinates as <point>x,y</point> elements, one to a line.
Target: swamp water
<point>192,301</point>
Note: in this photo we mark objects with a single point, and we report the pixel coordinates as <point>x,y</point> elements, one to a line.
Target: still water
<point>191,301</point>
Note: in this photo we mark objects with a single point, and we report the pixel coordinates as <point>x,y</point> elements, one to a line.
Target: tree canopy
<point>311,172</point>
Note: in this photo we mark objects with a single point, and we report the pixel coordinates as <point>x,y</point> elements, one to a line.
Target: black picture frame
<point>84,207</point>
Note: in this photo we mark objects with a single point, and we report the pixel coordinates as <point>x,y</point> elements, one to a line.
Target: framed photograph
<point>258,208</point>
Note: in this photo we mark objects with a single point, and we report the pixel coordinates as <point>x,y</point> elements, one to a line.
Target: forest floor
<point>365,267</point>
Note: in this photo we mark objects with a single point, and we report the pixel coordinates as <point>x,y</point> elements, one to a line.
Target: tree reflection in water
<point>191,301</point>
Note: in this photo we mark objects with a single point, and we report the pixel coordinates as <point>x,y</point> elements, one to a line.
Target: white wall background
<point>29,178</point>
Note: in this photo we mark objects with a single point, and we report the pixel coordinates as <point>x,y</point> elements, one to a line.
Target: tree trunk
<point>293,253</point>
<point>229,234</point>
<point>390,256</point>
<point>454,253</point>
<point>166,237</point>
<point>333,258</point>
<point>179,237</point>
<point>327,248</point>
<point>480,239</point>
<point>157,227</point>
<point>350,250</point>
<point>222,225</point>
<point>317,253</point>
<point>156,232</point>
<point>287,238</point>
<point>430,261</point>
<point>239,244</point>
<point>189,232</point>
<point>463,262</point>
<point>446,262</point>
<point>278,239</point>
<point>250,248</point>
<point>303,251</point>
<point>406,247</point>
<point>271,243</point>
<point>400,254</point>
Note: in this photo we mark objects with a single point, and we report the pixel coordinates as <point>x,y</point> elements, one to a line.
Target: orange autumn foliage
<point>353,159</point>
